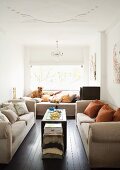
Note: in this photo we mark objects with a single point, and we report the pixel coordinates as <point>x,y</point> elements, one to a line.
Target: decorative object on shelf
<point>57,53</point>
<point>56,102</point>
<point>51,108</point>
<point>116,63</point>
<point>14,92</point>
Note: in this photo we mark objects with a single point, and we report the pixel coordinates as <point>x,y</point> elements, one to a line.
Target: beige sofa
<point>47,100</point>
<point>43,106</point>
<point>101,140</point>
<point>12,135</point>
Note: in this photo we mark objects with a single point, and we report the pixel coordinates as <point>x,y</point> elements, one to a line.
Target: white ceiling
<point>45,21</point>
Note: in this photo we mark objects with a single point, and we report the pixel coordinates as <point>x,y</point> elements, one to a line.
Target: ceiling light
<point>57,52</point>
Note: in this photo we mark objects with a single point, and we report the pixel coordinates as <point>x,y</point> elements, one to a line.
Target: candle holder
<point>56,106</point>
<point>14,92</point>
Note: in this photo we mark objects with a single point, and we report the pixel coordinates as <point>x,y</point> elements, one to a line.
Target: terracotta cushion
<point>105,114</point>
<point>66,98</point>
<point>93,108</point>
<point>116,116</point>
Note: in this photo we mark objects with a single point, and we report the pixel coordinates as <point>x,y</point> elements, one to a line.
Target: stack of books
<point>53,146</point>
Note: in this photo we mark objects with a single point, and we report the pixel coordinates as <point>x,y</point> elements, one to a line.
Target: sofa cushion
<point>85,130</point>
<point>6,106</point>
<point>3,117</point>
<point>36,99</point>
<point>82,118</point>
<point>21,108</point>
<point>45,98</point>
<point>66,99</point>
<point>17,128</point>
<point>93,108</point>
<point>116,116</point>
<point>27,117</point>
<point>55,99</point>
<point>105,114</point>
<point>72,96</point>
<point>12,116</point>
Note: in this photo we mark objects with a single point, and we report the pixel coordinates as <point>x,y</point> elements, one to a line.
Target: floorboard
<point>29,154</point>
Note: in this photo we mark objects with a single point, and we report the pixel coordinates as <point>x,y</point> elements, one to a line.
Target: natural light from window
<point>57,77</point>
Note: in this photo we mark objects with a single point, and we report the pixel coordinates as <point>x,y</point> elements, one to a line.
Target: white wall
<point>11,68</point>
<point>72,55</point>
<point>110,91</point>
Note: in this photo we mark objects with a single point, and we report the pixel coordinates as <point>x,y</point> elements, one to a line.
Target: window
<point>57,77</point>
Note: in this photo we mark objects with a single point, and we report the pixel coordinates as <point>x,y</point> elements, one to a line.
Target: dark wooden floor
<point>29,154</point>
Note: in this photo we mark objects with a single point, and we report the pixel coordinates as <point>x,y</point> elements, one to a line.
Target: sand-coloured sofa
<point>12,135</point>
<point>63,99</point>
<point>43,106</point>
<point>101,140</point>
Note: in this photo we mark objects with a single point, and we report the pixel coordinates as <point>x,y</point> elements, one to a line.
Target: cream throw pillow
<point>12,116</point>
<point>21,108</point>
<point>8,106</point>
<point>3,118</point>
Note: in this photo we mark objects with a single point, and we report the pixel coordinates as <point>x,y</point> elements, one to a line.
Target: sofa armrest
<point>104,132</point>
<point>5,142</point>
<point>81,105</point>
<point>5,130</point>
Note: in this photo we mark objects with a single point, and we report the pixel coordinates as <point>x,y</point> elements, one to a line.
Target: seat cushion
<point>17,128</point>
<point>82,118</point>
<point>27,117</point>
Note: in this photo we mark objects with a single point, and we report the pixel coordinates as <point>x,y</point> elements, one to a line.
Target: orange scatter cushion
<point>93,108</point>
<point>66,99</point>
<point>116,116</point>
<point>105,114</point>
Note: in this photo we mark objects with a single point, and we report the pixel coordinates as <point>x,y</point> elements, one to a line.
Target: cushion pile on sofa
<point>13,111</point>
<point>102,112</point>
<point>58,96</point>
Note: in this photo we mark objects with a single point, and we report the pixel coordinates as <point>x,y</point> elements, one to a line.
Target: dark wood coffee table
<point>62,120</point>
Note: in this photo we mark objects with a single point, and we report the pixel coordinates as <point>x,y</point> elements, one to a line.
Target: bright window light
<point>57,77</point>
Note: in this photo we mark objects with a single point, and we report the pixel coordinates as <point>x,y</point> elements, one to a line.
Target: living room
<point>85,33</point>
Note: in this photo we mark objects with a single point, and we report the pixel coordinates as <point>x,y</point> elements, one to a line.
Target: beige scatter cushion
<point>21,108</point>
<point>8,106</point>
<point>3,118</point>
<point>45,98</point>
<point>12,116</point>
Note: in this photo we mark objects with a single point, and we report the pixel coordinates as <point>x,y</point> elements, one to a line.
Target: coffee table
<point>62,120</point>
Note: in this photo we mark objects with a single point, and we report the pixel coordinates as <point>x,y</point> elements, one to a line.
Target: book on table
<point>53,129</point>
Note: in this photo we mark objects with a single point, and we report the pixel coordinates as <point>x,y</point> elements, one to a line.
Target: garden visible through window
<point>57,77</point>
